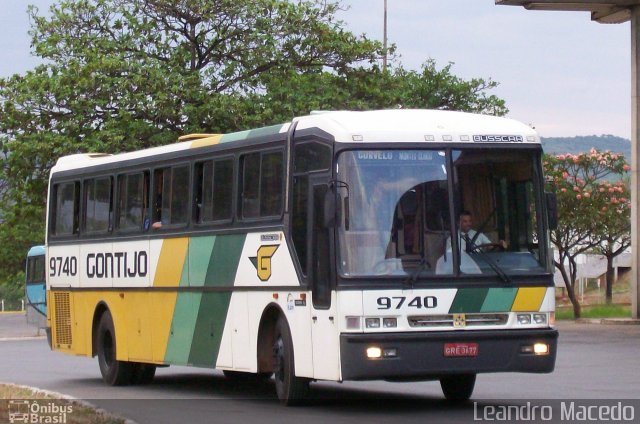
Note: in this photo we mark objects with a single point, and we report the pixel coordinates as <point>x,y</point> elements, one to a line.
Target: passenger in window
<point>157,200</point>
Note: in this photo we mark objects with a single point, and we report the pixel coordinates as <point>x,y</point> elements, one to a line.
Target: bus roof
<point>36,251</point>
<point>415,125</point>
<point>397,125</point>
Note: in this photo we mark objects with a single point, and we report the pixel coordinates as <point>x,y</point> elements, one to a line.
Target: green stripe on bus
<point>200,249</point>
<point>182,328</point>
<point>499,300</point>
<point>224,261</point>
<point>236,136</point>
<point>468,301</point>
<point>258,132</point>
<point>184,278</point>
<point>209,327</point>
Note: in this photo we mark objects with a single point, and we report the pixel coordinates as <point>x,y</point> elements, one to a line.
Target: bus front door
<point>325,334</point>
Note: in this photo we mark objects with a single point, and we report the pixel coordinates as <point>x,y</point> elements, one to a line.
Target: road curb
<point>21,338</point>
<point>609,321</point>
<point>75,400</point>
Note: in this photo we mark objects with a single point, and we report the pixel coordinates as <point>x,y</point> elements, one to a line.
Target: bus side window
<point>250,207</point>
<point>262,185</point>
<point>271,178</point>
<point>97,205</point>
<point>170,196</point>
<point>35,269</point>
<point>222,194</point>
<point>156,198</point>
<point>133,201</point>
<point>213,190</point>
<point>66,212</point>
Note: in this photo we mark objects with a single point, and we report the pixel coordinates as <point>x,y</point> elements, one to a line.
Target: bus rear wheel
<point>458,388</point>
<point>291,390</point>
<point>246,376</point>
<point>114,372</point>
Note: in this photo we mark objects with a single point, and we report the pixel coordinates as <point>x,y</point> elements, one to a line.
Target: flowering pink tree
<point>613,229</point>
<point>588,205</point>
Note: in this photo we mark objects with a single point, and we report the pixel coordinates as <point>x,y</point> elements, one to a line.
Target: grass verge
<point>596,311</point>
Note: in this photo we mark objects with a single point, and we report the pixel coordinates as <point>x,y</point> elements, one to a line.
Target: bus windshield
<point>398,214</point>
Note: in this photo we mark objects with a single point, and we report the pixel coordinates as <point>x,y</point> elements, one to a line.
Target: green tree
<point>120,75</point>
<point>370,88</point>
<point>585,207</point>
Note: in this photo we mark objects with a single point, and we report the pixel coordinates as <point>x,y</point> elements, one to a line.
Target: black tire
<point>114,372</point>
<point>246,376</point>
<point>458,388</point>
<point>291,390</point>
<point>142,373</point>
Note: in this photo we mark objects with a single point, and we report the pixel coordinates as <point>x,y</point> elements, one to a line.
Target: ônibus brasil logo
<point>38,411</point>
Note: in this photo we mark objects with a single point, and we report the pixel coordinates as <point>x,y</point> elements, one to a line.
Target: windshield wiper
<point>411,280</point>
<point>473,248</point>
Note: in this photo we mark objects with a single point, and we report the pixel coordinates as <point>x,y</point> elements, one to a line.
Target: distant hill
<point>580,144</point>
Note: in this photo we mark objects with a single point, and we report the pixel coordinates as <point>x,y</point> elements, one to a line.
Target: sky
<point>558,71</point>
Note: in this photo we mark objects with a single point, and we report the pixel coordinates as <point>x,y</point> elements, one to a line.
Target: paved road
<point>594,362</point>
<point>14,324</point>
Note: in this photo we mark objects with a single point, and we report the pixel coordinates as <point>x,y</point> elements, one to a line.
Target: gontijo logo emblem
<point>459,321</point>
<point>262,260</point>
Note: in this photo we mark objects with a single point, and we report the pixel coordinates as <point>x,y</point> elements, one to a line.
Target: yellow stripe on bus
<point>208,141</point>
<point>170,264</point>
<point>529,299</point>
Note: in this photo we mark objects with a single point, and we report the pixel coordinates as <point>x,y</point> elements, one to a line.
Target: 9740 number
<point>426,302</point>
<point>59,266</point>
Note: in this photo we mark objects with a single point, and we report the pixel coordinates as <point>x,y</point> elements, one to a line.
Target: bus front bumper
<point>421,356</point>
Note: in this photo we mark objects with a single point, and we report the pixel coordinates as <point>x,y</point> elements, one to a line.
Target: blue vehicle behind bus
<point>36,287</point>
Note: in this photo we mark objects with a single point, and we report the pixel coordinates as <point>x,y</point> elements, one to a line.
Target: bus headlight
<point>389,322</point>
<point>372,322</point>
<point>374,352</point>
<point>541,349</point>
<point>540,318</point>
<point>524,319</point>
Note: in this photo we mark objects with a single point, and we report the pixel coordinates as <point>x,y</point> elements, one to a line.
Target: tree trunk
<point>609,280</point>
<point>570,290</point>
<point>573,272</point>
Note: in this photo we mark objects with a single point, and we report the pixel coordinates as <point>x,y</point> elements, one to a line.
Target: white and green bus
<point>325,248</point>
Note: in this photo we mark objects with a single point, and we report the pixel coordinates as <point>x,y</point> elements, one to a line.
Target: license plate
<point>460,349</point>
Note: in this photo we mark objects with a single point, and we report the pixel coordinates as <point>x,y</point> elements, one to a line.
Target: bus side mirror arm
<point>552,210</point>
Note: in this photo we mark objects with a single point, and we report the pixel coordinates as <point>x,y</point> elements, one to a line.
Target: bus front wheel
<point>114,372</point>
<point>291,390</point>
<point>458,387</point>
<point>142,373</point>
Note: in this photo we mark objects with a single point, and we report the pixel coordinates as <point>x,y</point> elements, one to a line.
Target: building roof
<point>603,11</point>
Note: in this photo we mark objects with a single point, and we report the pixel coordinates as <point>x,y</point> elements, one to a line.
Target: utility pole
<point>384,39</point>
